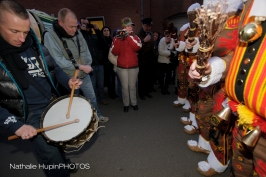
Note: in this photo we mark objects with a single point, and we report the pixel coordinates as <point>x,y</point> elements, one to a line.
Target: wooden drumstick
<point>47,128</point>
<point>71,95</point>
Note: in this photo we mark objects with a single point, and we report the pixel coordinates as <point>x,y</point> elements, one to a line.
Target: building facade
<point>113,11</point>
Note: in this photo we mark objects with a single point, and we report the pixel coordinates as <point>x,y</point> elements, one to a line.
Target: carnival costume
<point>245,86</point>
<point>215,132</point>
<point>187,90</point>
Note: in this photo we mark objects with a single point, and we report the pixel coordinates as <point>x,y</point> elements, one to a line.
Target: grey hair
<point>63,13</point>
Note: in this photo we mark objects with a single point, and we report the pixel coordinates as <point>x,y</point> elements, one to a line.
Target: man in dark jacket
<point>21,103</point>
<point>95,44</point>
<point>145,56</point>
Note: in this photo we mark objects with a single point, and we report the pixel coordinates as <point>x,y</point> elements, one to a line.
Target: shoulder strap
<point>42,38</point>
<point>69,53</point>
<point>74,62</point>
<point>78,44</point>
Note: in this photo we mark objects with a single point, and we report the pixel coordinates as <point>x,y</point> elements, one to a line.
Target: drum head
<point>56,114</point>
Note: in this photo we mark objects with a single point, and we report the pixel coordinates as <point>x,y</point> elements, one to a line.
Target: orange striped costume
<point>217,138</point>
<point>253,88</point>
<point>246,87</point>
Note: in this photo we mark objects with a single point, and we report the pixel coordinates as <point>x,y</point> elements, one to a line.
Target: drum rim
<point>38,20</point>
<point>54,102</point>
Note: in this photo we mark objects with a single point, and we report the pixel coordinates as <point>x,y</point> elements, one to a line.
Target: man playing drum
<point>23,59</point>
<point>64,38</point>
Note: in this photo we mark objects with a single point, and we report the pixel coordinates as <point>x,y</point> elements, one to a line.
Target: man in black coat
<point>145,56</point>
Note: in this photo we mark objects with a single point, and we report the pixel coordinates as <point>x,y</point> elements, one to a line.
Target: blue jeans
<point>47,153</point>
<point>88,92</point>
<point>97,79</point>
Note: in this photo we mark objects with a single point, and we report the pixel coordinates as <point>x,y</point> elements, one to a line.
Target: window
<point>99,21</point>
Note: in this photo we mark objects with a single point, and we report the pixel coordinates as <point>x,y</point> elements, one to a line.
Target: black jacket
<point>13,105</point>
<point>146,53</point>
<point>95,43</point>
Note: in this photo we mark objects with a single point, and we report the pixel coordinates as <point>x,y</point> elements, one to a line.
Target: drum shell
<point>36,25</point>
<point>83,135</point>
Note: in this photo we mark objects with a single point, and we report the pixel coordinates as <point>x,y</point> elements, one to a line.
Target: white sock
<point>192,143</point>
<point>185,119</point>
<point>187,105</point>
<point>204,166</point>
<point>193,120</point>
<point>180,100</point>
<point>189,127</point>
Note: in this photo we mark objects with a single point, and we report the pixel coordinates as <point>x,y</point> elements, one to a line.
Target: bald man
<point>65,31</point>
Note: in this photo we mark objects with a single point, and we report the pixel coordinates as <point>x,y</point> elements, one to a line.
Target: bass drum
<point>47,20</point>
<point>36,25</point>
<point>72,136</point>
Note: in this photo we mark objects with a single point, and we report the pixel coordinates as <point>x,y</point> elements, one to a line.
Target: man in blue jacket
<point>23,59</point>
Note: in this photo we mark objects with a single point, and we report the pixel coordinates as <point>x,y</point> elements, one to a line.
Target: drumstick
<point>71,95</point>
<point>47,128</point>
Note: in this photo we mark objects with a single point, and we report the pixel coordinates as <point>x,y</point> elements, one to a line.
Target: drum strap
<point>69,53</point>
<point>74,62</point>
<point>38,86</point>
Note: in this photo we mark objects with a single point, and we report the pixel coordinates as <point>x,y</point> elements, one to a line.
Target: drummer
<point>66,43</point>
<point>26,84</point>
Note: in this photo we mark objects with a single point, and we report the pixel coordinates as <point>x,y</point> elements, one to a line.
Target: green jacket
<point>57,50</point>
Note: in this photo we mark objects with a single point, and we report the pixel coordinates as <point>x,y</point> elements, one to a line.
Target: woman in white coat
<point>166,51</point>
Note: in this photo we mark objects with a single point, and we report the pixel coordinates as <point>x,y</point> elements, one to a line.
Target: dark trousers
<point>145,81</point>
<point>47,154</point>
<point>164,76</point>
<point>154,72</point>
<point>109,81</point>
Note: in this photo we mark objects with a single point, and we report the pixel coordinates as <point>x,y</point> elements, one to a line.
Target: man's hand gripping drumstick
<point>43,129</point>
<point>73,84</point>
<point>27,131</point>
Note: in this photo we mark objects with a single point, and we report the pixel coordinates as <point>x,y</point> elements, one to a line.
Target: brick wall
<point>114,10</point>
